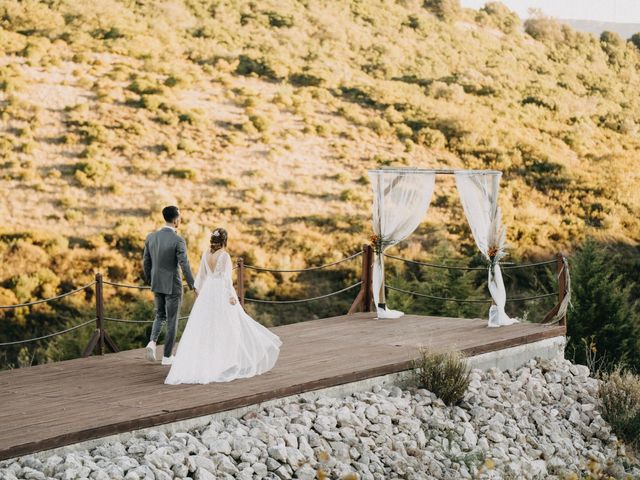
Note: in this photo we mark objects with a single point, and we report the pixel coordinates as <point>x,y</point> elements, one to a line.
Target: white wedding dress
<point>221,342</point>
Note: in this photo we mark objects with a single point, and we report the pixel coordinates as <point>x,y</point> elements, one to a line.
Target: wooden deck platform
<point>53,405</point>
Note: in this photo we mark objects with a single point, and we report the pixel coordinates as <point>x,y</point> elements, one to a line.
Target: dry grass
<point>445,374</point>
<point>620,395</point>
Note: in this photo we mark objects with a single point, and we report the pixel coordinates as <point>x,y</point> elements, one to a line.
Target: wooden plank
<point>48,406</point>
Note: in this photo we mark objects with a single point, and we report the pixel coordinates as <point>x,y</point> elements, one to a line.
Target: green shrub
<point>168,147</point>
<point>28,147</point>
<point>544,29</point>
<point>184,173</point>
<point>145,87</point>
<point>192,117</point>
<point>403,131</point>
<point>30,18</point>
<point>175,81</point>
<point>153,102</point>
<point>620,395</point>
<point>92,173</point>
<point>348,195</point>
<point>73,215</point>
<point>279,20</point>
<point>225,182</point>
<point>260,123</point>
<point>612,38</point>
<point>187,146</point>
<point>412,21</point>
<point>445,374</point>
<point>444,9</point>
<point>6,147</point>
<point>378,125</point>
<point>500,16</point>
<point>431,138</point>
<point>260,66</point>
<point>305,80</point>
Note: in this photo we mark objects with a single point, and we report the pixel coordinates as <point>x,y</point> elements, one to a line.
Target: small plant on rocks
<point>445,374</point>
<point>620,394</point>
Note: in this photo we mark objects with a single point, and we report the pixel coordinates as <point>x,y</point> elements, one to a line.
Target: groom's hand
<point>232,301</point>
<point>195,290</point>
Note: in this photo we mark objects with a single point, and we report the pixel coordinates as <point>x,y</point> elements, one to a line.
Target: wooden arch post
<point>364,299</point>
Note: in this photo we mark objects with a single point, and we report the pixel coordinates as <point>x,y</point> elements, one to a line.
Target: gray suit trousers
<point>167,310</point>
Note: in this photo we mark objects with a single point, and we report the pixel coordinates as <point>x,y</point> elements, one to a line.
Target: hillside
<point>264,117</point>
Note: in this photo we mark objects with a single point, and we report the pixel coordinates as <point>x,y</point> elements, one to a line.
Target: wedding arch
<point>401,198</point>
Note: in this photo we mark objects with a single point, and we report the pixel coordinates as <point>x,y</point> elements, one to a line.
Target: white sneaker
<point>150,354</point>
<point>167,360</point>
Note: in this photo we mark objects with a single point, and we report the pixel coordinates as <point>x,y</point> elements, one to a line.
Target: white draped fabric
<point>401,200</point>
<point>479,196</point>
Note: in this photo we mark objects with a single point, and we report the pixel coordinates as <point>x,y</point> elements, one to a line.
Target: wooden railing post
<point>100,337</point>
<point>562,291</point>
<point>562,284</point>
<point>100,311</point>
<point>367,277</point>
<point>240,281</point>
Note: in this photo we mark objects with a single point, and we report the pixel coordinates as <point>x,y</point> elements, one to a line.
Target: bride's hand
<point>232,301</point>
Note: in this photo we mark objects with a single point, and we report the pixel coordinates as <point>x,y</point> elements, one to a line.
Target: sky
<point>623,11</point>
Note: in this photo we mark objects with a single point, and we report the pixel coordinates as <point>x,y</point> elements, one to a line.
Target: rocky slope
<point>539,422</point>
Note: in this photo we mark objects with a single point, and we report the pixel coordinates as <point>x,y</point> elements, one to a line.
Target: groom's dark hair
<point>170,213</point>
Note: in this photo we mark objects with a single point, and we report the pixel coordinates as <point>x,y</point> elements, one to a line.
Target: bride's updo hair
<point>218,239</point>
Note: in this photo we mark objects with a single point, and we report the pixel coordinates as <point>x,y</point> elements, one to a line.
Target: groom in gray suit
<point>164,251</point>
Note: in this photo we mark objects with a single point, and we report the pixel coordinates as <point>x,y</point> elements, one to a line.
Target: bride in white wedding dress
<point>221,342</point>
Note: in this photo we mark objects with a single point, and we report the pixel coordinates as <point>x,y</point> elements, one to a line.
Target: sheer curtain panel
<point>400,201</point>
<point>479,196</point>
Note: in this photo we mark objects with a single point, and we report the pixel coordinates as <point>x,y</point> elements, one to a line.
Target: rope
<point>525,265</point>
<point>122,320</point>
<point>453,267</point>
<point>470,300</point>
<point>534,297</point>
<point>114,284</point>
<point>18,342</point>
<point>278,302</point>
<point>48,299</point>
<point>139,287</point>
<point>261,269</point>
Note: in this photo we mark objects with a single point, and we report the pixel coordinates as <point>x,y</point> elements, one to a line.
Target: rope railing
<point>45,300</point>
<point>303,300</point>
<point>504,266</point>
<point>363,302</point>
<point>123,285</point>
<point>301,270</point>
<point>470,300</point>
<point>123,320</point>
<point>55,334</point>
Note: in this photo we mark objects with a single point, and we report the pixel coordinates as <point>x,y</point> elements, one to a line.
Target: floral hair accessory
<point>216,233</point>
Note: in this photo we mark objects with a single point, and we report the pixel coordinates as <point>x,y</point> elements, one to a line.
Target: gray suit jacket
<point>164,250</point>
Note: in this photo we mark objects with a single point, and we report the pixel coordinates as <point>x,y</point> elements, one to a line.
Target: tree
<point>602,310</point>
<point>444,9</point>
<point>500,16</point>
